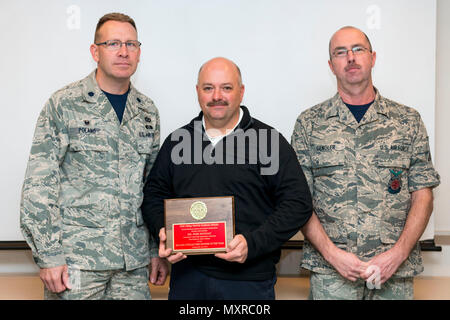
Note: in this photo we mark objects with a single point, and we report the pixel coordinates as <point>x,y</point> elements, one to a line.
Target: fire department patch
<point>395,183</point>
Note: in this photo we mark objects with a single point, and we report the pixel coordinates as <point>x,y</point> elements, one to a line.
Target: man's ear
<point>94,52</point>
<point>242,91</point>
<point>330,64</point>
<point>374,58</point>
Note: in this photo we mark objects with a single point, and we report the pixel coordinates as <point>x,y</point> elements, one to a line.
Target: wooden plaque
<point>199,225</point>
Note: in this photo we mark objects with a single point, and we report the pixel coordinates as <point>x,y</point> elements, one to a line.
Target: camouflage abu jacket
<point>361,176</point>
<point>83,186</point>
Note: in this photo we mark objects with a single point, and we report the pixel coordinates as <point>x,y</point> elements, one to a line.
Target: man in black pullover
<point>226,152</point>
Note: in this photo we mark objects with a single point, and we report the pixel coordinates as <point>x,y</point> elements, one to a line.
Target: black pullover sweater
<point>269,208</point>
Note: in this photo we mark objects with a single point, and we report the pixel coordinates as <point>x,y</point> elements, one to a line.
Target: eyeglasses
<point>114,45</point>
<point>343,52</point>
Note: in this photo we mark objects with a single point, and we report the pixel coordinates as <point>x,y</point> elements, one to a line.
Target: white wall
<point>442,154</point>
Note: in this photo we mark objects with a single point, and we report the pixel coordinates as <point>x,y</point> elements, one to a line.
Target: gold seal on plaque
<point>198,210</point>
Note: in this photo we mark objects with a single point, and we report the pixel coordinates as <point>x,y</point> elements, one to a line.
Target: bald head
<point>220,92</point>
<point>221,63</point>
<point>343,30</point>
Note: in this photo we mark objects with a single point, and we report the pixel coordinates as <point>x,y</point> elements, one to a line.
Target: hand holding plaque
<point>199,225</point>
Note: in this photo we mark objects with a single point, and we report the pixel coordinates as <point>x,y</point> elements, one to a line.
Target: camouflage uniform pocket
<point>329,196</point>
<point>329,176</point>
<point>88,155</point>
<point>393,180</point>
<point>393,183</point>
<point>88,149</point>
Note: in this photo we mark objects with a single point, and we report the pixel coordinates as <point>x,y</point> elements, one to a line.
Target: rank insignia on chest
<point>395,183</point>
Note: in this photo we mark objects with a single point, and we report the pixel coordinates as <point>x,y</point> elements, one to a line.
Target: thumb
<point>162,240</point>
<point>162,234</point>
<point>65,278</point>
<point>234,242</point>
<point>370,271</point>
<point>363,268</point>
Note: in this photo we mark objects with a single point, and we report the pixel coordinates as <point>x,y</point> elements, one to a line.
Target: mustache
<point>217,103</point>
<point>351,66</point>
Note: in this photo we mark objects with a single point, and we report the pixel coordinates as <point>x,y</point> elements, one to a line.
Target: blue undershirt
<point>118,102</point>
<point>359,111</point>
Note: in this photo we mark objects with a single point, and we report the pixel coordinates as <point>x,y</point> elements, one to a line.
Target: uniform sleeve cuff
<point>417,187</point>
<point>50,260</point>
<point>154,253</point>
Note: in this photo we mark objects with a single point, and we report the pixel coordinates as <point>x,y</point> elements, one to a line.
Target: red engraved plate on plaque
<point>199,225</point>
<point>199,236</point>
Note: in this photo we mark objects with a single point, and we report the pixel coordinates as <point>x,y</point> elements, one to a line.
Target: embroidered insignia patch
<point>395,183</point>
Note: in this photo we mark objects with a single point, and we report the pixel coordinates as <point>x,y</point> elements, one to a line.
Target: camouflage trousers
<point>105,285</point>
<point>335,287</point>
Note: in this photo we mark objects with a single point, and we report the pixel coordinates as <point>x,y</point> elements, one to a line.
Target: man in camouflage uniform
<point>80,208</point>
<point>368,165</point>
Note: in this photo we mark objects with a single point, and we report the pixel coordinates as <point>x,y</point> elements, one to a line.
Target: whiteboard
<point>281,47</point>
